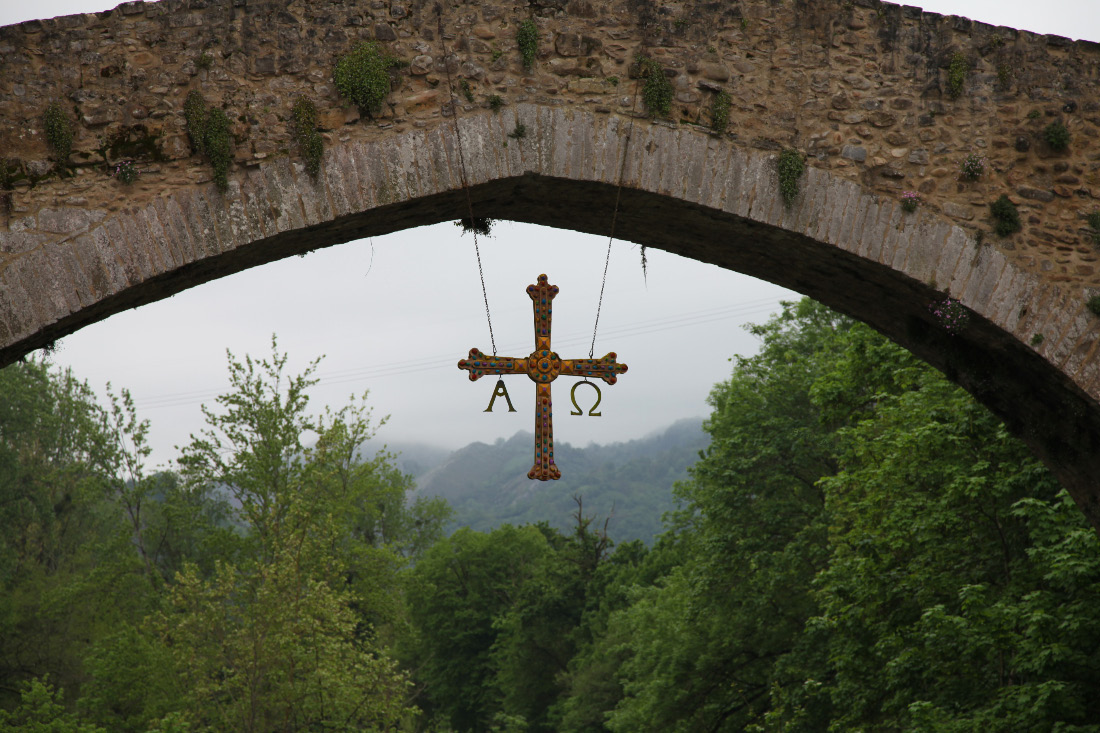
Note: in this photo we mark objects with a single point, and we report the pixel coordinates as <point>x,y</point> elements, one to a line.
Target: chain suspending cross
<point>543,366</point>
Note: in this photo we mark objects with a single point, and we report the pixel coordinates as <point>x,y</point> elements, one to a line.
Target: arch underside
<point>1038,402</point>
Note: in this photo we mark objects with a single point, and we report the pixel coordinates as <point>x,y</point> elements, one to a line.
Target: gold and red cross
<point>543,366</point>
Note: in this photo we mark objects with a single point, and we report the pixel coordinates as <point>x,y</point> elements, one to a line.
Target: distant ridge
<point>487,485</point>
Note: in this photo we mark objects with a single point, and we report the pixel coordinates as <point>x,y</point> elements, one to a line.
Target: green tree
<point>40,710</point>
<point>57,538</point>
<point>457,593</point>
<point>283,635</point>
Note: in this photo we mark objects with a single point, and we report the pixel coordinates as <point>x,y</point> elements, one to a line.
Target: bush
<point>59,131</point>
<point>362,77</point>
<point>790,167</point>
<point>1094,304</point>
<point>1006,217</point>
<point>657,92</point>
<point>1056,135</point>
<point>527,39</point>
<point>495,102</point>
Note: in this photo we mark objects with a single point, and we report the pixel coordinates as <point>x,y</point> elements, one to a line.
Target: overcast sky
<point>395,314</point>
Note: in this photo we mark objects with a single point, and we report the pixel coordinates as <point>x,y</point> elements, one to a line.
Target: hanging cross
<point>543,366</point>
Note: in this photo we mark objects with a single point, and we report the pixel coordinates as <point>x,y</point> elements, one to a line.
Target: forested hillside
<point>861,547</point>
<point>629,483</point>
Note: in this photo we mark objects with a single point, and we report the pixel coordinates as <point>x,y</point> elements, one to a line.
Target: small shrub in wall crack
<point>1056,135</point>
<point>720,111</point>
<point>303,126</point>
<point>972,167</point>
<point>495,102</point>
<point>527,39</point>
<point>126,172</point>
<point>950,314</point>
<point>1094,224</point>
<point>478,225</point>
<point>657,92</point>
<point>208,128</point>
<point>362,77</point>
<point>956,75</point>
<point>219,146</point>
<point>59,131</point>
<point>1094,304</point>
<point>790,167</point>
<point>194,114</point>
<point>910,201</point>
<point>1006,218</point>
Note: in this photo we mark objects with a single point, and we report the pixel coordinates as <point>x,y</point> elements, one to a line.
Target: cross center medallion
<point>542,366</point>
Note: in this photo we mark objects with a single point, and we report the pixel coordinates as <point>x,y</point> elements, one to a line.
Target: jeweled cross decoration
<point>543,366</point>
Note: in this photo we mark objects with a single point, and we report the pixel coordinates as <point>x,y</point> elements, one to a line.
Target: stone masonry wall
<point>858,85</point>
<point>880,98</point>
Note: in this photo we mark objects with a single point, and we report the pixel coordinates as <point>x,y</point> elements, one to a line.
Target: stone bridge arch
<point>865,89</point>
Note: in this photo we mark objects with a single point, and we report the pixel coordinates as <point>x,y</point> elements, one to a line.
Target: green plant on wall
<point>59,131</point>
<point>194,114</point>
<point>219,146</point>
<point>495,102</point>
<point>1094,225</point>
<point>1093,304</point>
<point>527,39</point>
<point>303,126</point>
<point>209,131</point>
<point>1006,218</point>
<point>790,167</point>
<point>720,111</point>
<point>956,75</point>
<point>657,92</point>
<point>362,77</point>
<point>1056,135</point>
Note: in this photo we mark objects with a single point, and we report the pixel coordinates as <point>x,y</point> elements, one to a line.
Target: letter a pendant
<point>500,391</point>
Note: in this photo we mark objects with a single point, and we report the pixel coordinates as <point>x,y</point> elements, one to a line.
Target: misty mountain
<point>630,482</point>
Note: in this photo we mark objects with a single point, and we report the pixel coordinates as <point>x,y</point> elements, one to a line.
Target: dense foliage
<point>861,547</point>
<point>253,590</point>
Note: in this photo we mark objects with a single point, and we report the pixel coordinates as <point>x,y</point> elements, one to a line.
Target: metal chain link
<point>465,179</point>
<point>614,219</point>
